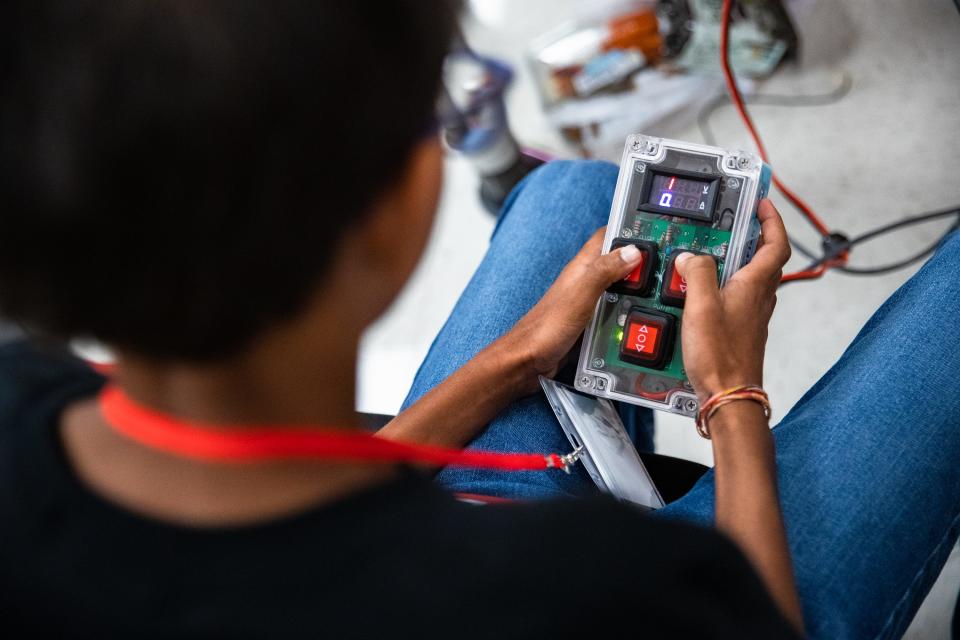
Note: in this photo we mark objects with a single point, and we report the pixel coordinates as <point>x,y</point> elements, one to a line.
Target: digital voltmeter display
<point>680,195</point>
<point>674,192</point>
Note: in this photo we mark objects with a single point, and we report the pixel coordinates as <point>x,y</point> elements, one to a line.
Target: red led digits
<point>647,338</point>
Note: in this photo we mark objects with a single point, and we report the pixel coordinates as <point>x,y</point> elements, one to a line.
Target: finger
<point>773,250</point>
<point>614,266</point>
<point>589,273</point>
<point>700,274</point>
<point>774,242</point>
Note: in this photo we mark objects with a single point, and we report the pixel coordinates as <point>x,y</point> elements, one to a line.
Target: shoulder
<point>33,375</point>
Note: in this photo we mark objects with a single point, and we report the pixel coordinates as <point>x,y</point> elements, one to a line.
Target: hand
<point>724,332</point>
<point>547,333</point>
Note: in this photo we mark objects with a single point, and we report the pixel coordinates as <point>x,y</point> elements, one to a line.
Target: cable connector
<point>571,458</point>
<point>835,244</point>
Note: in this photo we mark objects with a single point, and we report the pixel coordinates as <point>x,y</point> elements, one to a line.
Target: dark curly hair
<point>175,173</point>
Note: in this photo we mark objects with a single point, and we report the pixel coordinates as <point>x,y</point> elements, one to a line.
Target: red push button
<point>673,292</point>
<point>642,338</point>
<point>634,277</point>
<point>638,282</point>
<point>647,338</point>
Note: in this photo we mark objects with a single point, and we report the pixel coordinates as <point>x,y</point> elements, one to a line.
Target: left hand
<point>548,332</point>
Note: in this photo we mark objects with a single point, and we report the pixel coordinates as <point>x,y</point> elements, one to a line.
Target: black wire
<point>875,271</point>
<point>802,249</point>
<point>833,249</point>
<point>839,247</point>
<point>917,219</point>
<point>814,100</point>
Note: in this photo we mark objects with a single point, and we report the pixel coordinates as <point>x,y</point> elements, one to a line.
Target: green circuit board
<point>670,237</point>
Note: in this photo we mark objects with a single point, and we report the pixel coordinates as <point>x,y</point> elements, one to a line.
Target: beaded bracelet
<point>717,400</point>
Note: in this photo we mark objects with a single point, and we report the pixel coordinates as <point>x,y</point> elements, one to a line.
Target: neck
<point>294,375</point>
<point>301,373</point>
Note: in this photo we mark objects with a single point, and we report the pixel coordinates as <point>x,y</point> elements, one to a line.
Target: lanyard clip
<point>565,461</point>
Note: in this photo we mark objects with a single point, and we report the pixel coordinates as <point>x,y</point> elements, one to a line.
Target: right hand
<point>724,331</point>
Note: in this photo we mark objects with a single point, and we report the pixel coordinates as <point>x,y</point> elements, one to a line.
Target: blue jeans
<point>869,459</point>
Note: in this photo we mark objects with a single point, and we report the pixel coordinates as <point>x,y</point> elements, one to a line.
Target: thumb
<point>616,265</point>
<point>700,273</point>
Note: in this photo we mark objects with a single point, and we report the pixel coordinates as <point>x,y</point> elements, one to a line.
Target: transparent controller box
<point>670,197</point>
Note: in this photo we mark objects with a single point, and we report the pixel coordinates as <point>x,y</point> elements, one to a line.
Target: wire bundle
<point>835,247</point>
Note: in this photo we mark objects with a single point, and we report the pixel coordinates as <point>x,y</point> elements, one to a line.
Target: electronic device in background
<point>671,197</point>
<point>601,444</point>
<point>761,36</point>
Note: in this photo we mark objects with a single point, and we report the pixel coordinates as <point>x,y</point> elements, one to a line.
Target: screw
<point>611,297</point>
<point>743,163</point>
<point>585,381</point>
<point>627,232</point>
<point>598,363</point>
<point>636,145</point>
<point>733,183</point>
<point>690,405</point>
<point>641,167</point>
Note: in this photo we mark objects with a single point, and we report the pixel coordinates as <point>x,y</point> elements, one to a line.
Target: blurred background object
<point>592,71</point>
<point>474,120</point>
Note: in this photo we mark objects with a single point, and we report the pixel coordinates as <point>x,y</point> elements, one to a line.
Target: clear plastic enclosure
<point>670,197</point>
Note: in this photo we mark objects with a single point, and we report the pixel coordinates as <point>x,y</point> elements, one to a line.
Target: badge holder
<point>601,443</point>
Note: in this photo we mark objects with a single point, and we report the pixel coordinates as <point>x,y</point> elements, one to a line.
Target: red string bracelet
<point>717,400</point>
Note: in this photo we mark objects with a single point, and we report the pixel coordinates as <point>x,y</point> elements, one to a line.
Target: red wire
<point>741,108</point>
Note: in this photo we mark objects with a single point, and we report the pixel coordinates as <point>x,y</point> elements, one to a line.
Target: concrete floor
<point>889,149</point>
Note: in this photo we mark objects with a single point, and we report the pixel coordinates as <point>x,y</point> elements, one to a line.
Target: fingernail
<point>683,257</point>
<point>629,253</point>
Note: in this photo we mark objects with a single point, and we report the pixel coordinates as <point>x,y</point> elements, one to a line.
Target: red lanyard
<point>254,443</point>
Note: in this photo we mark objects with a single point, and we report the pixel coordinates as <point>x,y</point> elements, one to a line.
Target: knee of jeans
<point>949,249</point>
<point>568,191</point>
<point>938,272</point>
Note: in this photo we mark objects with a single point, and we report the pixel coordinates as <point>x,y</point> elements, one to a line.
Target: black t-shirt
<point>402,560</point>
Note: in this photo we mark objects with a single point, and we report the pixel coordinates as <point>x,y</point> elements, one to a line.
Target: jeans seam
<point>948,536</point>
